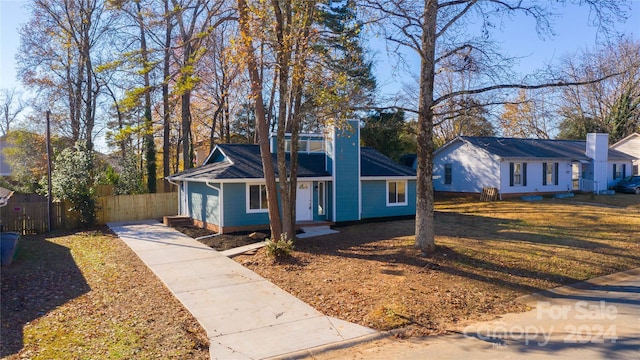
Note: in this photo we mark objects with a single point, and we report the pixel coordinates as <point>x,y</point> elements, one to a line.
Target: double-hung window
<point>256,198</point>
<point>448,175</point>
<point>619,171</point>
<point>517,174</point>
<point>549,173</point>
<point>396,193</point>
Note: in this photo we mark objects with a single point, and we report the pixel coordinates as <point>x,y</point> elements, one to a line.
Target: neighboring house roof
<point>243,161</point>
<point>630,145</point>
<point>627,139</point>
<point>5,194</point>
<point>534,148</point>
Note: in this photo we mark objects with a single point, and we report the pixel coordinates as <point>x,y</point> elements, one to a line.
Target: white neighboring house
<point>630,146</point>
<point>528,166</point>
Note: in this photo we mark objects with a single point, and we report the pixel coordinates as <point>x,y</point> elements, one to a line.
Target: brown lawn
<point>88,296</point>
<point>488,254</point>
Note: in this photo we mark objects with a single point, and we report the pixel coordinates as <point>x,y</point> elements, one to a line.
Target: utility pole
<point>49,199</point>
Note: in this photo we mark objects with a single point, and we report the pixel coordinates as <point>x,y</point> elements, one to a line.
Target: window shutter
<point>614,171</point>
<point>624,170</point>
<point>555,173</point>
<point>510,174</point>
<point>524,174</point>
<point>544,173</point>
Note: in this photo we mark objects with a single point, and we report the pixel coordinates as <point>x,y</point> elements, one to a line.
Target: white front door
<point>303,202</point>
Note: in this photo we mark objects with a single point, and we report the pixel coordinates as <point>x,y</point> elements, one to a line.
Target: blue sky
<point>519,39</point>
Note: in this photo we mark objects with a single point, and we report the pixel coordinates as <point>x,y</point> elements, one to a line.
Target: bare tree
<point>437,31</point>
<point>195,21</point>
<point>611,106</point>
<point>57,52</point>
<point>10,107</point>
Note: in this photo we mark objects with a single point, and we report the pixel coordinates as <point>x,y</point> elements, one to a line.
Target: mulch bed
<point>224,241</point>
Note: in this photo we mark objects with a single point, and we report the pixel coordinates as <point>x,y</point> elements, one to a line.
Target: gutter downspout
<point>220,213</point>
<point>178,185</point>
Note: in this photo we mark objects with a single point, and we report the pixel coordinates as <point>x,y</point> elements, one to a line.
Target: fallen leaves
<point>87,295</point>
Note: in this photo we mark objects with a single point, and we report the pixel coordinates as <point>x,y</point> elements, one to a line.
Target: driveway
<point>597,319</point>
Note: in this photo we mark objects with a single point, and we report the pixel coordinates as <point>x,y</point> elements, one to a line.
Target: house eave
<point>377,178</point>
<point>245,180</point>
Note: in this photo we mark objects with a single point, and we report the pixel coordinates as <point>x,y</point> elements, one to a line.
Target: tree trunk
<point>150,146</point>
<point>425,238</point>
<point>261,121</point>
<point>166,128</point>
<point>186,129</point>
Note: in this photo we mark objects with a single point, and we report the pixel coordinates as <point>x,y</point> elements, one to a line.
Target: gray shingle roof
<point>243,161</point>
<point>373,163</point>
<point>536,148</point>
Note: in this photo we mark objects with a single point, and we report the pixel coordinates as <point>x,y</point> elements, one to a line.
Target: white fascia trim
<point>359,175</point>
<point>213,151</point>
<point>333,172</point>
<point>253,180</point>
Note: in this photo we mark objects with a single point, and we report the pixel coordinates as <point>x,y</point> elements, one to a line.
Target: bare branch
<point>520,86</point>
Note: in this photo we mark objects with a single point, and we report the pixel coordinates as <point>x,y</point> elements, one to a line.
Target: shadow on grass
<point>486,228</point>
<point>42,277</point>
<point>374,242</point>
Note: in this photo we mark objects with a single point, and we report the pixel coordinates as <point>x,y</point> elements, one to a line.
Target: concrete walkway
<point>244,315</point>
<point>597,319</point>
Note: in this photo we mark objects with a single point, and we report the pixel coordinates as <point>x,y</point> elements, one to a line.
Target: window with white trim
<point>518,174</point>
<point>257,198</point>
<point>550,173</point>
<point>397,193</point>
<point>619,171</point>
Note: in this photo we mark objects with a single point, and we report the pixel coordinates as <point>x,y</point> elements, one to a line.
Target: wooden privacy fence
<point>27,213</point>
<point>136,207</point>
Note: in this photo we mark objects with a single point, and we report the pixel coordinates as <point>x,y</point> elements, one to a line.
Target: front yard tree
<point>439,32</point>
<point>314,63</point>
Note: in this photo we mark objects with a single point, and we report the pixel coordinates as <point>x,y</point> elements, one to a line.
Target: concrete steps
<point>177,220</point>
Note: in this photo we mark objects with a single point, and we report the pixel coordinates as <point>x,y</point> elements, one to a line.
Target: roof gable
<point>632,137</point>
<point>243,161</point>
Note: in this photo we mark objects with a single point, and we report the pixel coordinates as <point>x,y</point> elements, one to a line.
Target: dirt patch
<point>488,255</point>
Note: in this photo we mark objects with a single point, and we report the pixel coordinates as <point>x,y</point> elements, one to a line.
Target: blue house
<point>338,181</point>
